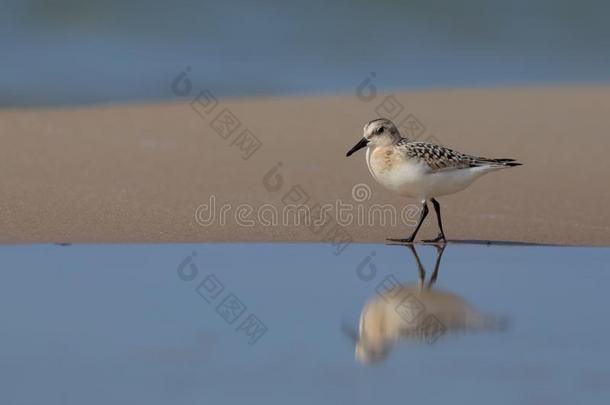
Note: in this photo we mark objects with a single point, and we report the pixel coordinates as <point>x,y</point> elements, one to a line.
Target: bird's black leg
<point>410,239</point>
<point>420,267</point>
<point>441,235</point>
<point>439,255</point>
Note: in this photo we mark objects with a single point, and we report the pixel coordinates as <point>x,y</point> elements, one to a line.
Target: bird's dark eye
<point>380,130</point>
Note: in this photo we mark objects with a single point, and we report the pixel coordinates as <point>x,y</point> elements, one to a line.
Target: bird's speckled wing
<point>440,158</point>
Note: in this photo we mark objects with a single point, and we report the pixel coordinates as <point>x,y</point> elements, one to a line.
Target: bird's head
<point>367,351</point>
<point>379,132</point>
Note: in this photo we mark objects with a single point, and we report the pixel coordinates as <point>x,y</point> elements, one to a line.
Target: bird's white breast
<point>403,176</point>
<point>414,178</point>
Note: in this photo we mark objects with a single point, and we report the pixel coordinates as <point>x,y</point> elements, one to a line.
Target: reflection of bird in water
<point>415,312</point>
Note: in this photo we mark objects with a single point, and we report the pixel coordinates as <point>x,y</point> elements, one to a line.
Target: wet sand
<point>137,173</point>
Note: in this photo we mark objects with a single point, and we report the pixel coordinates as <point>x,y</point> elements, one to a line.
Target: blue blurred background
<point>68,52</point>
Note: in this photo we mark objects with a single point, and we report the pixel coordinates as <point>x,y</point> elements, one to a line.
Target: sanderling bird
<point>419,169</point>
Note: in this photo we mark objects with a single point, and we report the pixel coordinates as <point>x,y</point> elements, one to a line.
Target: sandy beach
<point>138,173</point>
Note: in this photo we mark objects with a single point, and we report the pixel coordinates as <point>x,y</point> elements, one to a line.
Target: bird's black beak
<point>361,144</point>
<point>350,332</point>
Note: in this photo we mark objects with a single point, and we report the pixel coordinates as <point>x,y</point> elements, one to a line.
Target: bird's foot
<point>440,239</point>
<point>408,240</point>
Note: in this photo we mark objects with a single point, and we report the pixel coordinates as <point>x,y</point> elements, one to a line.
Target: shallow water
<point>71,52</point>
<point>132,324</point>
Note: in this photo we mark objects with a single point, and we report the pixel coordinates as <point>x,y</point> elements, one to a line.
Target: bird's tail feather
<point>502,162</point>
